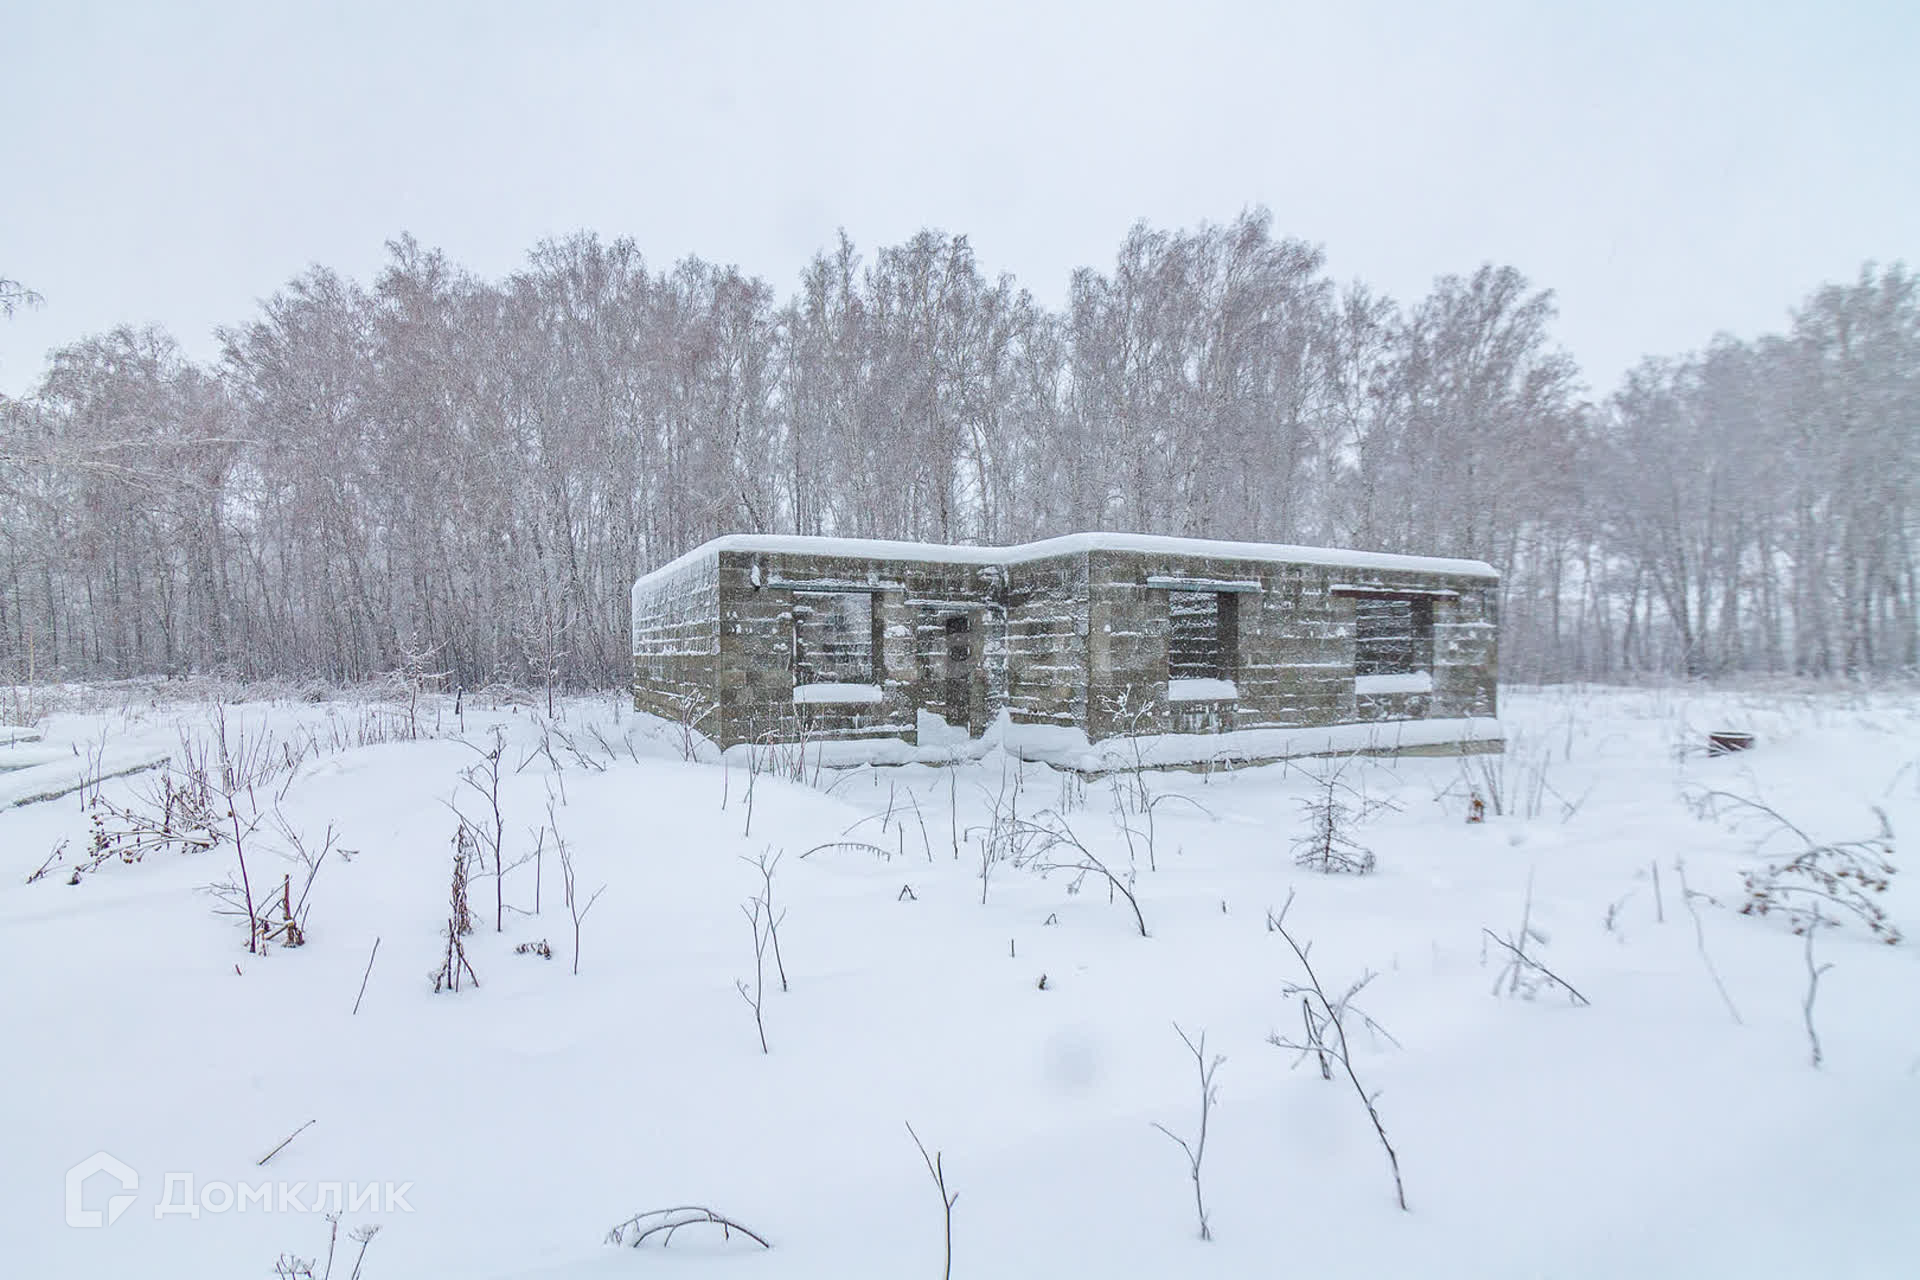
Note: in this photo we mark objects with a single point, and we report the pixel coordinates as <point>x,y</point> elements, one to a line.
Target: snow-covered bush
<point>1817,880</point>
<point>1331,812</point>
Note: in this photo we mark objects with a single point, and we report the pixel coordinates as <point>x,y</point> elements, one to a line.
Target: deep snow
<point>1647,1134</point>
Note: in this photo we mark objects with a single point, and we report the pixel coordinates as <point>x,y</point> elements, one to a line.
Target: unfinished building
<point>1074,640</point>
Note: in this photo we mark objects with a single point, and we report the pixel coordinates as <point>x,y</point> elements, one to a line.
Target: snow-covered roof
<point>1070,544</point>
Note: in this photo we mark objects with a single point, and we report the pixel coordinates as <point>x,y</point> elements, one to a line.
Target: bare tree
<point>14,295</point>
<point>431,461</point>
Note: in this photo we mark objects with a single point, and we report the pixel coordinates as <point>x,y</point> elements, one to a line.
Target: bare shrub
<point>490,832</point>
<point>926,845</point>
<point>460,912</point>
<point>786,760</point>
<point>447,976</point>
<point>459,919</point>
<point>1816,881</point>
<point>178,811</point>
<point>415,677</point>
<point>289,1267</point>
<point>759,917</point>
<point>766,864</point>
<point>1332,812</point>
<point>1134,797</point>
<point>53,860</point>
<point>208,796</point>
<point>612,749</point>
<point>690,710</point>
<point>241,896</point>
<point>1523,975</point>
<point>1047,843</point>
<point>999,837</point>
<point>1489,776</point>
<point>1514,781</point>
<point>291,928</point>
<point>1197,1149</point>
<point>556,731</point>
<point>1327,1037</point>
<point>575,907</point>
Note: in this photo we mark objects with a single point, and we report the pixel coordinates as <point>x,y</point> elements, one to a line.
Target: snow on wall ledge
<point>1069,544</point>
<point>1068,748</point>
<point>1202,691</point>
<point>816,694</point>
<point>1406,682</point>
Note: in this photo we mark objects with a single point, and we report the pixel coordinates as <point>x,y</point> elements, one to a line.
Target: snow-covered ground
<point>1646,1134</point>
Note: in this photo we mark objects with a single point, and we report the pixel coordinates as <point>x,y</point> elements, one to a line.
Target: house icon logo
<point>99,1163</point>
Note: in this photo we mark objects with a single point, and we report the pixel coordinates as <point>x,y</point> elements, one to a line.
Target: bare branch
<point>1330,1016</point>
<point>664,1223</point>
<point>937,1170</point>
<point>1197,1149</point>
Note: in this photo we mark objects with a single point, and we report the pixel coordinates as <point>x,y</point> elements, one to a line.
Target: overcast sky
<point>1669,169</point>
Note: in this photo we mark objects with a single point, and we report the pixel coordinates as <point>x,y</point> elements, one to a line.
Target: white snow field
<point>1645,1134</point>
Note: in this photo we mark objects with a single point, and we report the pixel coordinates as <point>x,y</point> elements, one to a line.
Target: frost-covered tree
<point>480,467</point>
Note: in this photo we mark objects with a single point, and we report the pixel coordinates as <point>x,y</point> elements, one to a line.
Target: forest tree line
<point>440,472</point>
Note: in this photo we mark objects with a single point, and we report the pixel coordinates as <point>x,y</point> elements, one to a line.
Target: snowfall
<point>1638,1099</point>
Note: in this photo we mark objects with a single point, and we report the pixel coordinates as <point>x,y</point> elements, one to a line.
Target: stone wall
<point>1079,640</point>
<point>1466,652</point>
<point>911,600</point>
<point>1047,641</point>
<point>1293,654</point>
<point>676,645</point>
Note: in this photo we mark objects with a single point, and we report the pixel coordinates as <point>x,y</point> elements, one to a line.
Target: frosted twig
<point>1687,896</point>
<point>937,1170</point>
<point>1197,1149</point>
<point>1813,987</point>
<point>665,1222</point>
<point>368,974</point>
<point>1331,1015</point>
<point>283,1142</point>
<point>1522,958</point>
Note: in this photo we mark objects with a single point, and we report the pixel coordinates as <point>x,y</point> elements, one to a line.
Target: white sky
<point>1670,169</point>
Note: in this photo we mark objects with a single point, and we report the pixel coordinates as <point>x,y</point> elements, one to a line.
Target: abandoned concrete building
<point>1091,636</point>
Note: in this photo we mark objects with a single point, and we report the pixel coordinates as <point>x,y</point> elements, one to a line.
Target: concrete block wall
<point>1297,642</point>
<point>1078,640</point>
<point>676,644</point>
<point>1466,652</point>
<point>1048,641</point>
<point>755,666</point>
<point>1293,660</point>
